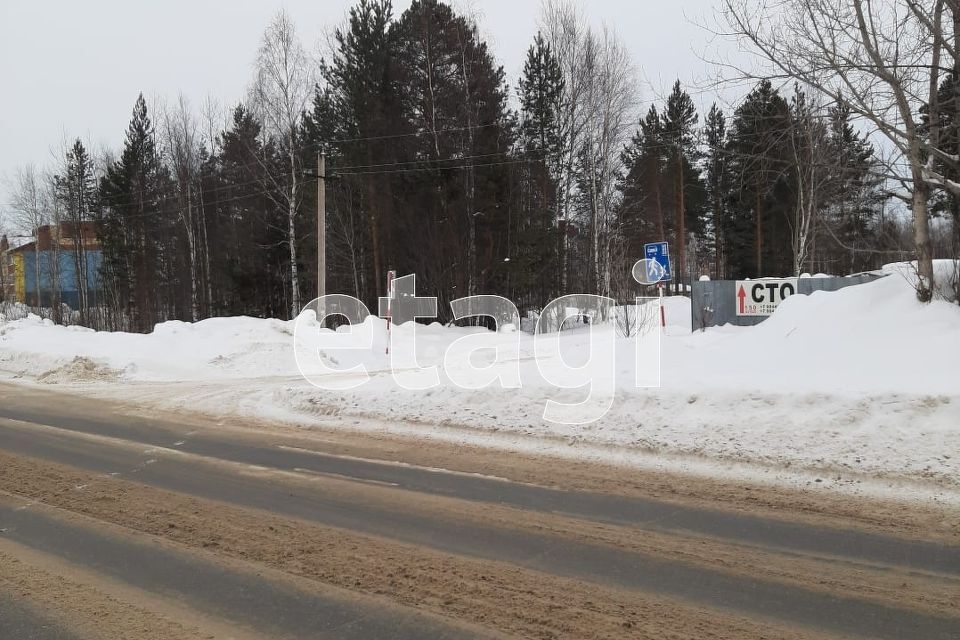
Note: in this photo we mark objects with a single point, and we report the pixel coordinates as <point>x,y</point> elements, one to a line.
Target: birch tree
<point>610,114</point>
<point>565,28</point>
<point>213,122</point>
<point>280,91</point>
<point>181,138</point>
<point>596,113</point>
<point>29,214</point>
<point>814,169</point>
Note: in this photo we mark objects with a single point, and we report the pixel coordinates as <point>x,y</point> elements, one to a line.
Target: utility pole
<point>321,224</point>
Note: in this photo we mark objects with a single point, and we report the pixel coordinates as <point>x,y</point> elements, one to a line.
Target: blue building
<point>57,267</point>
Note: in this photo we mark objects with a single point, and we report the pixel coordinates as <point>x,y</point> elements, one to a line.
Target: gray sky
<point>74,69</point>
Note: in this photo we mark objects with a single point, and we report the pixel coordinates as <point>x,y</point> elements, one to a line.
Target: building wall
<point>19,286</point>
<point>69,293</point>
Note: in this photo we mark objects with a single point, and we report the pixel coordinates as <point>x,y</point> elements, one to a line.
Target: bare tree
<point>566,29</point>
<point>182,149</point>
<point>29,211</point>
<point>597,113</point>
<point>346,231</point>
<point>814,169</point>
<point>214,121</point>
<point>628,316</point>
<point>53,206</point>
<point>280,92</point>
<point>610,112</point>
<point>885,58</point>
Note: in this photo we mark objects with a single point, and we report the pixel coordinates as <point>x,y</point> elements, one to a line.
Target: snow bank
<point>865,379</point>
<point>870,338</point>
<point>210,349</point>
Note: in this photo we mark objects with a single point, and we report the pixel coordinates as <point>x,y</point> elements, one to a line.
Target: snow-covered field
<point>844,389</point>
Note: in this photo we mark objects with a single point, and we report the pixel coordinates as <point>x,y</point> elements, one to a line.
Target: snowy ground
<point>850,389</point>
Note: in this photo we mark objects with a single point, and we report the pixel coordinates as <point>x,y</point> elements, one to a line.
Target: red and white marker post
<point>390,293</point>
<point>663,313</point>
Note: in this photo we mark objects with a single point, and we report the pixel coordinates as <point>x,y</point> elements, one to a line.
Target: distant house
<point>56,252</point>
<point>7,278</point>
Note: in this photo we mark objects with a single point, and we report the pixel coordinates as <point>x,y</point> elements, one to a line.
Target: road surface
<point>115,524</point>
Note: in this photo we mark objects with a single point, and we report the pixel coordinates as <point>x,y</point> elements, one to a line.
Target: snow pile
<point>79,369</point>
<point>870,338</point>
<point>210,349</point>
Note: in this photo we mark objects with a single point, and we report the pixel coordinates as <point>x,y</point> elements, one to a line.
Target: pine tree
<point>755,147</point>
<point>856,194</point>
<point>641,215</point>
<point>540,91</point>
<point>132,196</point>
<point>77,194</point>
<point>944,203</point>
<point>248,226</point>
<point>451,91</point>
<point>717,183</point>
<point>679,121</point>
<point>360,103</point>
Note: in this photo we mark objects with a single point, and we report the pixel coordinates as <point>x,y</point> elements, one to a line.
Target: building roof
<point>64,238</point>
<point>15,242</point>
<point>23,248</point>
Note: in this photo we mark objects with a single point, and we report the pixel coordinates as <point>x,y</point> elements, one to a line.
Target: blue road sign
<point>658,253</point>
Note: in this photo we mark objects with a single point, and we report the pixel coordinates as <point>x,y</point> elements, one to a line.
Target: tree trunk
<point>759,233</point>
<point>292,235</point>
<point>661,224</point>
<point>921,230</point>
<point>192,248</point>
<point>206,258</point>
<point>378,274</point>
<point>717,239</point>
<point>470,177</point>
<point>55,277</point>
<point>80,271</point>
<point>681,225</point>
<point>36,253</point>
<point>594,271</point>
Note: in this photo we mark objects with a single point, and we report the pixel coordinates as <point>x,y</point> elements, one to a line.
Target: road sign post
<point>391,276</point>
<point>663,313</point>
<point>657,256</point>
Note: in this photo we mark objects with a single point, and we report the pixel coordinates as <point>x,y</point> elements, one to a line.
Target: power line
<point>419,161</point>
<point>430,164</point>
<point>344,170</point>
<point>441,168</point>
<point>179,210</point>
<point>393,136</point>
<point>268,192</point>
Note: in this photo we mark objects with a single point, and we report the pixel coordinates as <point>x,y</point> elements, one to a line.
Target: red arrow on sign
<point>741,295</point>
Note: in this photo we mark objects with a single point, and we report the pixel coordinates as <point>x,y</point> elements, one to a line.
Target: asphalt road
<point>271,607</point>
<point>437,512</point>
<point>19,621</point>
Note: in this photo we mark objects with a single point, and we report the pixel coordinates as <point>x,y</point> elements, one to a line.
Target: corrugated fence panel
<point>714,302</point>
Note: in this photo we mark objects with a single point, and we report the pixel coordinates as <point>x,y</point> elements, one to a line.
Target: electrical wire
<point>269,192</point>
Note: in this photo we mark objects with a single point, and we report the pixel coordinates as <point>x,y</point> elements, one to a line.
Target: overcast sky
<point>74,69</point>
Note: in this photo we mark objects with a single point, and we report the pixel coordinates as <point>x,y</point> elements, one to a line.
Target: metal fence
<point>714,302</point>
